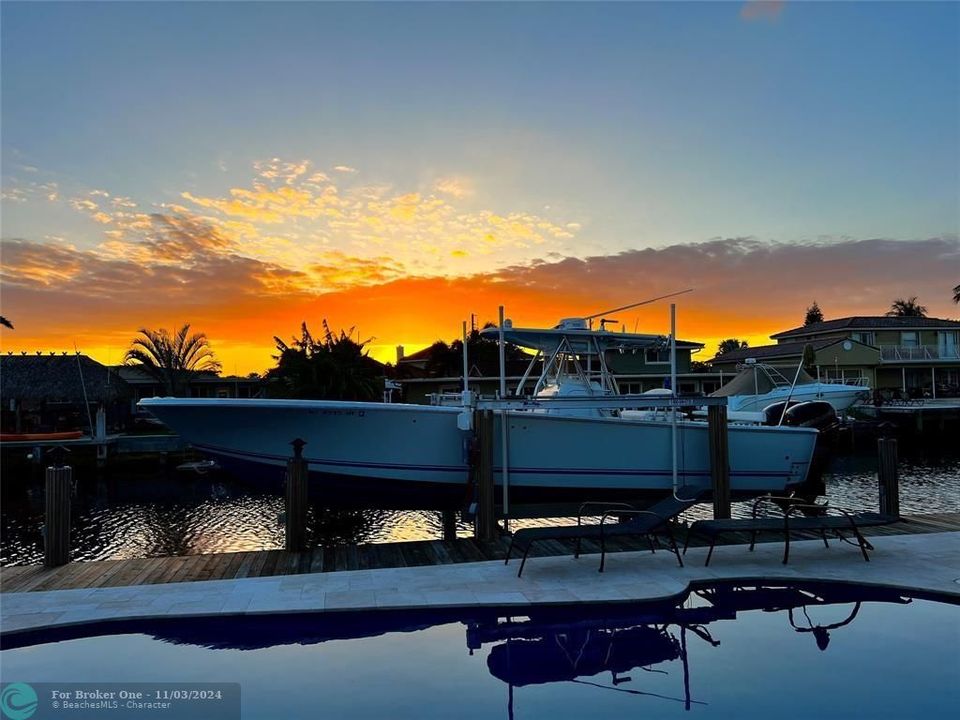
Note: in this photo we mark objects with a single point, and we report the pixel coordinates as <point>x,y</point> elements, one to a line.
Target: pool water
<point>727,651</point>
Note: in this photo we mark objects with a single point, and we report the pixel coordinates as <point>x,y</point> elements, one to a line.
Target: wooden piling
<point>888,477</point>
<point>719,460</point>
<point>449,521</point>
<point>485,525</point>
<point>296,500</point>
<point>56,540</point>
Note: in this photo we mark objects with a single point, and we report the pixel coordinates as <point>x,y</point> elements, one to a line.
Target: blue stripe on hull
<point>616,472</point>
<point>363,491</point>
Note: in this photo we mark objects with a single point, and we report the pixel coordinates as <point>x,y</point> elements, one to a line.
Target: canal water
<point>155,511</point>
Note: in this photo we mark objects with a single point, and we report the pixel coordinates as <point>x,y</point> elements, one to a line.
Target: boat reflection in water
<point>604,646</point>
<point>547,647</point>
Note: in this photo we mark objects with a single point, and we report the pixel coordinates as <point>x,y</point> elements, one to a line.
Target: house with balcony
<point>917,355</point>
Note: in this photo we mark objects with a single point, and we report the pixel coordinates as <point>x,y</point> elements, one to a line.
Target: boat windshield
<point>759,380</point>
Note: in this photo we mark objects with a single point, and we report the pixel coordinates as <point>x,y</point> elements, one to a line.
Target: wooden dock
<point>270,563</point>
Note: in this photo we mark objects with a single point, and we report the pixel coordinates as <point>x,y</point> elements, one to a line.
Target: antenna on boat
<point>637,304</point>
<point>83,385</point>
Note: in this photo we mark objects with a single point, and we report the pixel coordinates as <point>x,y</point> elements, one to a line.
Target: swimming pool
<point>744,650</point>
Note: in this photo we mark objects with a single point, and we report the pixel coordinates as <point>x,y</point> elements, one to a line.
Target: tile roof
<point>868,322</point>
<point>57,377</point>
<point>772,351</point>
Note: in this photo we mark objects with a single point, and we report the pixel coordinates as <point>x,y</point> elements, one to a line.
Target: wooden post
<point>56,530</point>
<point>719,460</point>
<point>449,519</point>
<point>485,527</point>
<point>889,481</point>
<point>296,499</point>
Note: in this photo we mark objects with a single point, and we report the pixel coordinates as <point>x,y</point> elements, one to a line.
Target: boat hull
<point>395,455</point>
<point>841,397</point>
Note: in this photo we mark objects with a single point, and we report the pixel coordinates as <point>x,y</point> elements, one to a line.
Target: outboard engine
<point>823,417</point>
<point>816,414</point>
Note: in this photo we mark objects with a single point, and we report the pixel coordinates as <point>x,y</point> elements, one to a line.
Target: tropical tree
<point>333,367</point>
<point>814,314</point>
<point>731,344</point>
<point>7,323</point>
<point>907,308</point>
<point>956,293</point>
<point>172,359</point>
<point>483,354</point>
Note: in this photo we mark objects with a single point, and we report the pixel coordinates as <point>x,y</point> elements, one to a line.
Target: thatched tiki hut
<point>45,393</point>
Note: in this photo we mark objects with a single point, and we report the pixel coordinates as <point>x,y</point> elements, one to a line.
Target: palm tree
<point>907,308</point>
<point>956,293</point>
<point>7,323</point>
<point>729,345</point>
<point>172,359</point>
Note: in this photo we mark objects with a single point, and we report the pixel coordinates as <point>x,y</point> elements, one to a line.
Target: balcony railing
<point>917,353</point>
<point>859,381</point>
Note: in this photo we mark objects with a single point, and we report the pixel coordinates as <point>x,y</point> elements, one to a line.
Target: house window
<point>909,338</point>
<point>658,357</point>
<point>948,344</point>
<point>867,338</point>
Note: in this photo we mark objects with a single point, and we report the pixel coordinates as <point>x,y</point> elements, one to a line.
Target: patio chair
<point>796,516</point>
<point>650,522</point>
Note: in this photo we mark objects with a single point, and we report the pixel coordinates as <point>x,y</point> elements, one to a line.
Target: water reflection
<point>155,511</point>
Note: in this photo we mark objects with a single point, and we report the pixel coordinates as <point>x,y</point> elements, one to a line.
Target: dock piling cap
<point>298,447</point>
<point>59,455</point>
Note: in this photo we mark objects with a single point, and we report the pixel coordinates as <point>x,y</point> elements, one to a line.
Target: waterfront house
<point>916,355</point>
<point>52,392</point>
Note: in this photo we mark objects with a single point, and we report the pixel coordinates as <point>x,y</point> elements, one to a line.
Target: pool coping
<point>912,563</point>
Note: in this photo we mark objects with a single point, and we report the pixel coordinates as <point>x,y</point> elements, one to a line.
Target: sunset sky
<point>396,167</point>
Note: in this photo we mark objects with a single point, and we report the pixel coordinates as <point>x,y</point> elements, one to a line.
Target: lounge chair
<point>796,516</point>
<point>649,522</point>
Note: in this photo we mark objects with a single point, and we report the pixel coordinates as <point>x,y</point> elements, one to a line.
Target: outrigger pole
<point>466,364</point>
<point>638,304</point>
<point>504,420</point>
<point>673,391</point>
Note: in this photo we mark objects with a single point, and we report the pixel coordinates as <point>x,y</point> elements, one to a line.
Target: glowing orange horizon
<point>413,313</point>
<point>746,290</point>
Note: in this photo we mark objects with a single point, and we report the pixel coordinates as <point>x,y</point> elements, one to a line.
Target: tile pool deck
<point>929,563</point>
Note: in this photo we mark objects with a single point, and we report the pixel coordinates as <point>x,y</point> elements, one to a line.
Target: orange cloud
<point>743,288</point>
<point>292,215</point>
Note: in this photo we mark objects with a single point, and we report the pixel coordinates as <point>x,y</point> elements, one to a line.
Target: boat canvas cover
<point>744,383</point>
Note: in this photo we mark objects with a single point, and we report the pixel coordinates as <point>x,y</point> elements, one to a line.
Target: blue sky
<point>652,123</point>
<point>546,130</point>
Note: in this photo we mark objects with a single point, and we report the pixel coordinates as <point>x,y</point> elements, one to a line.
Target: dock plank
<point>266,563</point>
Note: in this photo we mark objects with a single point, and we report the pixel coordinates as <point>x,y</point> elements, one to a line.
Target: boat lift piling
<point>719,460</point>
<point>485,522</point>
<point>295,501</point>
<point>888,477</point>
<point>56,528</point>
